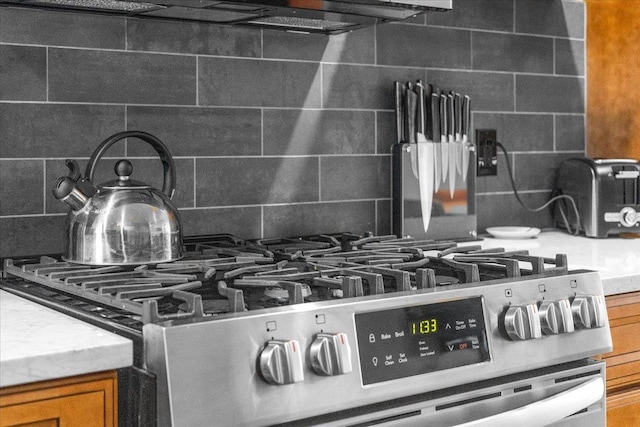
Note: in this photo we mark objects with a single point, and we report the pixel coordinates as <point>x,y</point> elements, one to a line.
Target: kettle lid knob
<point>123,169</point>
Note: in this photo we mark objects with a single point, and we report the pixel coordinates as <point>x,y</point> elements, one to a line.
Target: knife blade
<point>466,145</point>
<point>426,171</point>
<point>453,152</point>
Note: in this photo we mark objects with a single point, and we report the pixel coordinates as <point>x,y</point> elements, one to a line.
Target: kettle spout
<point>74,190</point>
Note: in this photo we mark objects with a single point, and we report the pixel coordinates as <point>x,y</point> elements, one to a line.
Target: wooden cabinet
<point>613,92</point>
<point>623,363</point>
<point>83,401</point>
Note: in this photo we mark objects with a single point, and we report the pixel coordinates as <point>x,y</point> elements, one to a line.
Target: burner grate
<point>225,274</point>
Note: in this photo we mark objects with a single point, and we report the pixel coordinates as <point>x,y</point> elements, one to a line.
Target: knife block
<point>451,217</point>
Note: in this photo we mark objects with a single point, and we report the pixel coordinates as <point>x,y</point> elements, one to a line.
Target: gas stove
<point>340,328</point>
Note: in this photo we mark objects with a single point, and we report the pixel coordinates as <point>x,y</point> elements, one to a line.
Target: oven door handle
<point>549,410</point>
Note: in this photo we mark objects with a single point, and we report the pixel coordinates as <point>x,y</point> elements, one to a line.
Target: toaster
<point>606,192</point>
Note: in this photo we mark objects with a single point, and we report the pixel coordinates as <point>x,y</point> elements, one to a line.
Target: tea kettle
<point>122,221</point>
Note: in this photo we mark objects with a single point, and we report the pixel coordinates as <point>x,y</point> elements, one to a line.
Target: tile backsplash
<point>275,133</point>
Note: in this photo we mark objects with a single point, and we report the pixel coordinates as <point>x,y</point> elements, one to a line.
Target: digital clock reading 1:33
<point>424,326</point>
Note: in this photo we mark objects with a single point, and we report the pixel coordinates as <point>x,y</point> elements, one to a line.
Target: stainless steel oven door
<point>566,395</point>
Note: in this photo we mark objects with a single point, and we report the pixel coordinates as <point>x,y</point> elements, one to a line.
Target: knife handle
<point>450,117</point>
<point>399,94</point>
<point>457,118</point>
<point>420,109</point>
<point>435,116</point>
<point>444,112</point>
<point>466,117</point>
<point>410,114</point>
<point>428,116</point>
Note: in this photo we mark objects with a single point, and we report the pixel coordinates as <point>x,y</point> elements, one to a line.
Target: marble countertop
<point>617,259</point>
<point>37,343</point>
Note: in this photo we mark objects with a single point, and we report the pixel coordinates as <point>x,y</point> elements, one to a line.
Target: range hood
<point>305,16</point>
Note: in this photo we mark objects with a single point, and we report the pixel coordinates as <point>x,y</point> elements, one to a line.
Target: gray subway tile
<point>23,73</point>
<point>416,46</point>
<point>192,37</point>
<point>21,189</point>
<point>363,87</point>
<point>518,132</point>
<point>511,52</point>
<point>503,209</point>
<point>383,217</point>
<point>550,94</point>
<point>488,91</point>
<point>197,131</point>
<point>256,83</point>
<point>77,75</point>
<point>31,235</point>
<point>313,218</point>
<point>253,181</point>
<point>386,133</point>
<point>360,177</point>
<point>537,171</point>
<point>551,17</point>
<point>570,133</point>
<point>570,57</point>
<point>244,222</point>
<point>353,47</point>
<point>61,29</point>
<point>56,130</point>
<point>495,15</point>
<point>291,132</point>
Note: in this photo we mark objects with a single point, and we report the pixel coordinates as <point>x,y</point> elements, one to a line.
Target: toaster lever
<point>627,174</point>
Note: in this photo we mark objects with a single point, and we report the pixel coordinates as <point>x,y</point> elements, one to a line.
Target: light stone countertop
<point>617,259</point>
<point>37,343</point>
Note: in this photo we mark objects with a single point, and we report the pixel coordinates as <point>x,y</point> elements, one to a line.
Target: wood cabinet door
<point>623,363</point>
<point>85,401</point>
<point>613,89</point>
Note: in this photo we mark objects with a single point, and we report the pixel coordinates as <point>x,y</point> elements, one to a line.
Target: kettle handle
<point>169,184</point>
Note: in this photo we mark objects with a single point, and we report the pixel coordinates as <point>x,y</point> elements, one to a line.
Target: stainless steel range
<point>343,330</point>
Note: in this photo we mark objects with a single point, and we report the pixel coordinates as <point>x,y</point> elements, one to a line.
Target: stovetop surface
<point>223,274</point>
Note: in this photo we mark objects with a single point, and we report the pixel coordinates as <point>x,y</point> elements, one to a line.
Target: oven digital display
<point>416,340</point>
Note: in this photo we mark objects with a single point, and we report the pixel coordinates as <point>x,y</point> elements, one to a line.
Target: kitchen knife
<point>444,142</point>
<point>453,152</point>
<point>466,145</point>
<point>426,171</point>
<point>457,105</point>
<point>410,120</point>
<point>439,149</point>
<point>457,127</point>
<point>399,96</point>
<point>428,130</point>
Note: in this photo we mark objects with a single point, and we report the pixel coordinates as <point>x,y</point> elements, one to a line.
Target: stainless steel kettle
<point>120,222</point>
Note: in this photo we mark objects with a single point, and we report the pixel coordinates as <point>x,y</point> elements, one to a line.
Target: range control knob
<point>589,311</point>
<point>628,217</point>
<point>556,317</point>
<point>522,322</point>
<point>281,362</point>
<point>331,354</point>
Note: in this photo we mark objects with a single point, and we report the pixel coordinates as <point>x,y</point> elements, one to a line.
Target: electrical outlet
<point>487,163</point>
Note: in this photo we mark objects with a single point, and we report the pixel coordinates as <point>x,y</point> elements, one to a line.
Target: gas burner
<point>223,274</point>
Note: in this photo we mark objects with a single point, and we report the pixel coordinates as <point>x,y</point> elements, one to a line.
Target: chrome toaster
<point>606,192</point>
